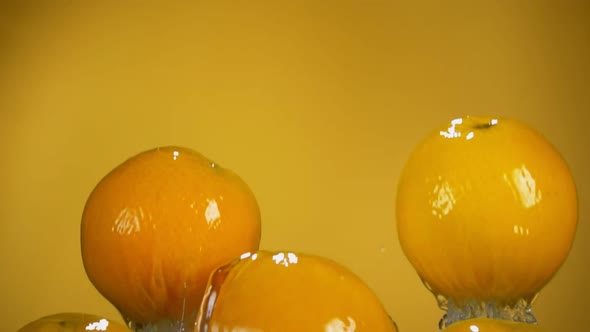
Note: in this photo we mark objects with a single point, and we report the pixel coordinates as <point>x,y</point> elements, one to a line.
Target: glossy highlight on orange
<point>155,227</point>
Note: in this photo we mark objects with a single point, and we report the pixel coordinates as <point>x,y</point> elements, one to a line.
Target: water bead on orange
<point>155,227</point>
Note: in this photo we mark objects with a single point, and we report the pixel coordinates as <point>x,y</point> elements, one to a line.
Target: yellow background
<point>316,104</point>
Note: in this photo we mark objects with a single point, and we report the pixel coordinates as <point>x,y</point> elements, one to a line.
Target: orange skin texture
<point>72,322</point>
<point>155,227</point>
<point>486,209</point>
<point>491,325</point>
<point>286,291</point>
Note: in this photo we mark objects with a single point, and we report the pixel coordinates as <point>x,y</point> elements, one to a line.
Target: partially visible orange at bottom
<point>286,291</point>
<point>73,322</point>
<point>492,325</point>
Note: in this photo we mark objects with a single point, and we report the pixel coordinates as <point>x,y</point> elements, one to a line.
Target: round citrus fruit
<point>285,291</point>
<point>155,227</point>
<point>491,325</point>
<point>486,211</point>
<point>73,322</point>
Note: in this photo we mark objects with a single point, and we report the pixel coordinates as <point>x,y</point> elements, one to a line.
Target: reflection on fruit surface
<point>155,227</point>
<point>286,291</point>
<point>486,213</point>
<point>73,322</point>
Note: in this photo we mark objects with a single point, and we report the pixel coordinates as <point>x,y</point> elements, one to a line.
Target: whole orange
<point>73,322</point>
<point>486,211</point>
<point>155,227</point>
<point>269,291</point>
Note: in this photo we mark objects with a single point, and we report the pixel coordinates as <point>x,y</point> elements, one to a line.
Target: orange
<point>491,325</point>
<point>155,227</point>
<point>73,322</point>
<point>270,291</point>
<point>486,211</point>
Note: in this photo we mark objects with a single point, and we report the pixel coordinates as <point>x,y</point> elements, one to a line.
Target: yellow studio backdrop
<point>316,104</point>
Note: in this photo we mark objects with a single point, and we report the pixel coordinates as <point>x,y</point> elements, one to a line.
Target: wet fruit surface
<point>286,291</point>
<point>73,322</point>
<point>486,211</point>
<point>156,226</point>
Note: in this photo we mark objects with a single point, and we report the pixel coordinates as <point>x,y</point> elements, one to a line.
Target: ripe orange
<point>286,291</point>
<point>486,210</point>
<point>155,227</point>
<point>491,325</point>
<point>73,322</point>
